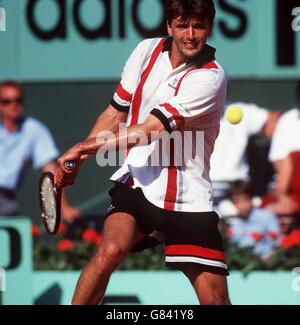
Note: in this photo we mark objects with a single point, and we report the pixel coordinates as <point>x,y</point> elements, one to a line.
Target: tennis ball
<point>234,114</point>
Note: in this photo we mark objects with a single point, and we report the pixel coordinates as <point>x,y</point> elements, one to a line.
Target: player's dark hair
<point>190,9</point>
<point>240,188</point>
<point>11,83</point>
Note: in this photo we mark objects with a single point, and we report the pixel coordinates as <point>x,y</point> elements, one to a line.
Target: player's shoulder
<point>211,73</point>
<point>213,67</point>
<point>149,44</point>
<point>145,48</point>
<point>208,68</point>
<point>216,69</point>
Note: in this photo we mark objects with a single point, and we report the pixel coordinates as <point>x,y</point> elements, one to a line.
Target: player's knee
<point>112,253</point>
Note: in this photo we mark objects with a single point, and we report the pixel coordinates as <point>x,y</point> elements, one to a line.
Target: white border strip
<point>192,259</point>
<point>121,101</point>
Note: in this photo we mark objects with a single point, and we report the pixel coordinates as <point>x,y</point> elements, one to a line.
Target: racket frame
<point>57,196</point>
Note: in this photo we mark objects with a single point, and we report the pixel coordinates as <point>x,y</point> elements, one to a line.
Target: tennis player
<point>172,85</point>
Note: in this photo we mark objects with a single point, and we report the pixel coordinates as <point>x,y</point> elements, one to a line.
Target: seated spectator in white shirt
<point>283,153</point>
<point>23,141</point>
<point>228,161</point>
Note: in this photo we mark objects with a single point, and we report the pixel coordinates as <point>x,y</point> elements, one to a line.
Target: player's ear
<point>170,32</point>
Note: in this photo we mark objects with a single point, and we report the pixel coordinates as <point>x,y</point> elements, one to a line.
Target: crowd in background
<point>264,219</point>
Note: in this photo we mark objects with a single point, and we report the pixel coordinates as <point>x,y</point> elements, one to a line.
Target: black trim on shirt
<point>164,120</point>
<point>207,55</point>
<point>118,107</point>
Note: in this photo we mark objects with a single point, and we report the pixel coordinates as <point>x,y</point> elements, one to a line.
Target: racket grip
<point>70,165</point>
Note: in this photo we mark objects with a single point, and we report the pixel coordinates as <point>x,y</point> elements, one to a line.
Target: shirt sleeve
<point>200,100</point>
<point>129,81</point>
<point>44,149</point>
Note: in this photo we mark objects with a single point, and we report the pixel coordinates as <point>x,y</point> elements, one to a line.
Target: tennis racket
<point>50,200</point>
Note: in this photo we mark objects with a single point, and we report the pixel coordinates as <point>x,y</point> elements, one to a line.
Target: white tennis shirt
<point>188,100</point>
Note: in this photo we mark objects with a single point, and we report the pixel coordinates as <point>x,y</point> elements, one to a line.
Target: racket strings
<point>48,197</point>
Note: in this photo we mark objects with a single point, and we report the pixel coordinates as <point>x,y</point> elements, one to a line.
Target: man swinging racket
<point>169,85</point>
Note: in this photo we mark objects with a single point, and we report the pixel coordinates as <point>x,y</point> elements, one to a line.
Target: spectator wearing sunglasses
<point>24,141</point>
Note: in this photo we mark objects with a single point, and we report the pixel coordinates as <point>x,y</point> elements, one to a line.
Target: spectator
<point>284,147</point>
<point>254,227</point>
<point>23,140</point>
<point>228,161</point>
<point>289,202</point>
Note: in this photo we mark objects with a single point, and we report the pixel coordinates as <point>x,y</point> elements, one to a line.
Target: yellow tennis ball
<point>234,114</point>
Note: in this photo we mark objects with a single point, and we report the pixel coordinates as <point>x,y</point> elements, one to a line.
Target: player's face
<point>11,103</point>
<point>189,38</point>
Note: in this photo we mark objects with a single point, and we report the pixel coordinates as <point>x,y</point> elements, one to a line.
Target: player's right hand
<point>63,179</point>
<point>64,176</point>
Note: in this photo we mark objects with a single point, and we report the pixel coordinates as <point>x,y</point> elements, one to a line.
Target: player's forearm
<point>109,124</point>
<point>127,138</point>
<point>109,141</point>
<point>109,120</point>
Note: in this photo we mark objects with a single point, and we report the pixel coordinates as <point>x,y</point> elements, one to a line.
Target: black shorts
<point>190,237</point>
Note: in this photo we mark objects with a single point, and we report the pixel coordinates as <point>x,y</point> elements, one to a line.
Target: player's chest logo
<point>173,83</point>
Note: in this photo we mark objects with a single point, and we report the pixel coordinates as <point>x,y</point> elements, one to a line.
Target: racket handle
<point>70,165</point>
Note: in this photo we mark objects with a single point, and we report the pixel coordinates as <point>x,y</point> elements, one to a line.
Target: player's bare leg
<point>120,233</point>
<point>211,289</point>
